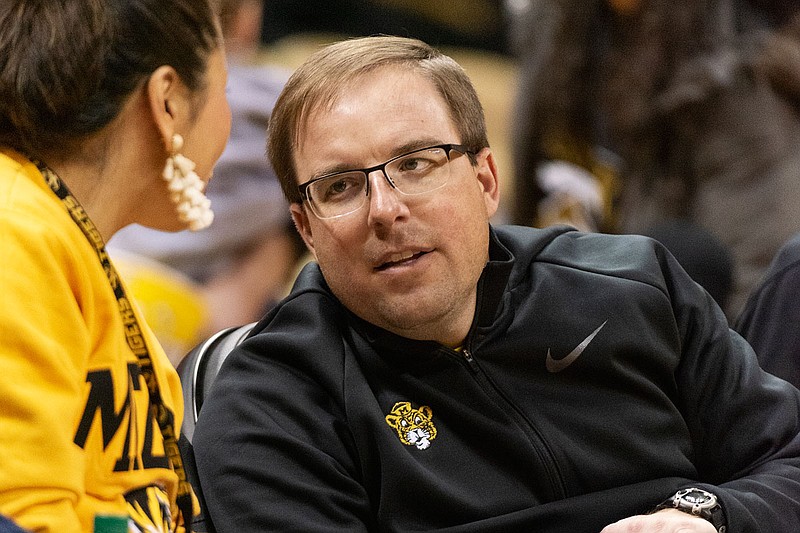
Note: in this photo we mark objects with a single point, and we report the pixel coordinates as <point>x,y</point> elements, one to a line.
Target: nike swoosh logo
<point>557,365</point>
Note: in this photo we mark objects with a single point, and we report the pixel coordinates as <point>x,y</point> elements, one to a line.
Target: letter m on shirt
<point>101,398</point>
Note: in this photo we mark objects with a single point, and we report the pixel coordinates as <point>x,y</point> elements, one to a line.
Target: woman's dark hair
<point>67,67</point>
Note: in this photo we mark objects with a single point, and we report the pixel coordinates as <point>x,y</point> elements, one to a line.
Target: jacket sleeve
<point>745,423</point>
<point>273,451</point>
<point>769,320</point>
<point>41,389</point>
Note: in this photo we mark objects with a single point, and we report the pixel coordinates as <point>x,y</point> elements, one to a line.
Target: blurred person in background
<point>117,122</point>
<point>662,110</point>
<point>770,318</point>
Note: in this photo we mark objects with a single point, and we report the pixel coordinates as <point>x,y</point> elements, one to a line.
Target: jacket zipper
<point>468,357</point>
<point>537,441</point>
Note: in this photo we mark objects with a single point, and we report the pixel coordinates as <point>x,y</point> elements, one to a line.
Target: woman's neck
<point>96,188</point>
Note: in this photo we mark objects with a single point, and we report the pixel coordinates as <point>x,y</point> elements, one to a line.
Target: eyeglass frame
<point>447,147</point>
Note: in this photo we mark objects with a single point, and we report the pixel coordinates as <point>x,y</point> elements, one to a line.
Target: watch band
<point>697,502</point>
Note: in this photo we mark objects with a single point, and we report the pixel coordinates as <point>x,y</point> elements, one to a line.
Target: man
<point>769,320</point>
<point>430,372</point>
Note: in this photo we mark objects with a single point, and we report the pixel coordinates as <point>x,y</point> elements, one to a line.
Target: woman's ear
<point>167,99</point>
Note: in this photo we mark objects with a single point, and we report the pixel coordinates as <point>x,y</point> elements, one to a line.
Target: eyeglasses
<point>417,172</point>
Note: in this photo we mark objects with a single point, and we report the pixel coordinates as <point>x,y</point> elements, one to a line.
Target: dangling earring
<point>186,188</point>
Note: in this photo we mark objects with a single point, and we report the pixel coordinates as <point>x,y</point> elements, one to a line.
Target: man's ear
<point>167,100</point>
<point>300,218</point>
<point>488,178</point>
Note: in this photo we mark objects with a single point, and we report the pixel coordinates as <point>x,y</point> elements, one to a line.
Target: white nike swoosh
<point>557,365</point>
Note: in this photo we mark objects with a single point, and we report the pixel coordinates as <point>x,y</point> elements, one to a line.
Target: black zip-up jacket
<point>597,380</point>
<point>769,321</point>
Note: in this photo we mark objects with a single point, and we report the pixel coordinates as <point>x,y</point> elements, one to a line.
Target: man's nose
<point>385,202</point>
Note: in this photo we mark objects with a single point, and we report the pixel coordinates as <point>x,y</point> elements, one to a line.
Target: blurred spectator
<point>702,255</point>
<point>192,284</point>
<point>241,23</point>
<point>769,320</point>
<point>679,109</point>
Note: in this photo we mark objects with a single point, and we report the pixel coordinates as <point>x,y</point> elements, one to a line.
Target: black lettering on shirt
<point>101,398</point>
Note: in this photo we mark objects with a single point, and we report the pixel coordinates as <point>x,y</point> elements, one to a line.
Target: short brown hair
<point>327,72</point>
<point>67,67</point>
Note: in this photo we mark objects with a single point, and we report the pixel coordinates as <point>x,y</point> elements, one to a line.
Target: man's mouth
<point>399,259</point>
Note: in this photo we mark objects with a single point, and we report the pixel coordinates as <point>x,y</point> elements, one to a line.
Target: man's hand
<point>664,521</point>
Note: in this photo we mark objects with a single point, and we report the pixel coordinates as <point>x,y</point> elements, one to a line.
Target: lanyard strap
<point>136,341</point>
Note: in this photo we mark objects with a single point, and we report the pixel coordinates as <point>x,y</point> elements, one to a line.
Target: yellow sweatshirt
<point>76,435</point>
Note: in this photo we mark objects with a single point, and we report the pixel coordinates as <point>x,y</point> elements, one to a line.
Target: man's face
<point>409,264</point>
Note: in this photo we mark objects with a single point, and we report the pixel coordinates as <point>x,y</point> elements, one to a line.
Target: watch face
<point>700,503</point>
<point>697,498</point>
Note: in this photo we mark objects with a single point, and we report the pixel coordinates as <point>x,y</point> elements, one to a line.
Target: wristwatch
<point>697,502</point>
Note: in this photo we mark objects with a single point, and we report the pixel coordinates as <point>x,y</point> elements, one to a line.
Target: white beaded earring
<point>186,188</point>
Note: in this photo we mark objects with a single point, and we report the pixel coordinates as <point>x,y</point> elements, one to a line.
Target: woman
<point>105,108</point>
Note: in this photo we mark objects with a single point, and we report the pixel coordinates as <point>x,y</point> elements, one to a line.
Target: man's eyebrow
<point>415,145</point>
<point>333,169</point>
<point>397,151</point>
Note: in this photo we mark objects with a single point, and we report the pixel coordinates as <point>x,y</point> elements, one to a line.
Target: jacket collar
<point>493,281</point>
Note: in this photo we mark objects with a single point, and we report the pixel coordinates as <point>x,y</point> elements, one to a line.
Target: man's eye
<point>414,165</point>
<point>341,187</point>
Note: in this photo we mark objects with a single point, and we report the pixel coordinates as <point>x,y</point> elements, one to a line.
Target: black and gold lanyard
<point>136,341</point>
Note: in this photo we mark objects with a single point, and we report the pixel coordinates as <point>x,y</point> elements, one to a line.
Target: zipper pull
<point>468,356</point>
